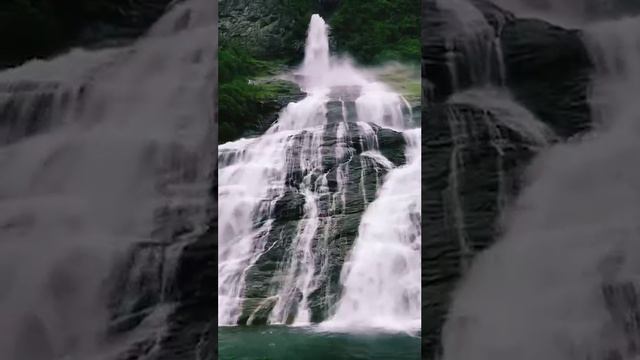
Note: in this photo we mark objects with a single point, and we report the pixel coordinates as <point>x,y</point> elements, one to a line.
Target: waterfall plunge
<point>253,178</point>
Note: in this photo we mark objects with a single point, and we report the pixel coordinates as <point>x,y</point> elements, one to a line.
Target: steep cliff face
<point>546,67</point>
<point>498,89</point>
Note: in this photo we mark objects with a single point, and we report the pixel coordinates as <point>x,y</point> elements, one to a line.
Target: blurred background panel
<point>107,179</point>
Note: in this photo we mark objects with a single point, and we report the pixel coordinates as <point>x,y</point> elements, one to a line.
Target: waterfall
<point>562,283</point>
<point>381,278</point>
<point>105,164</point>
<point>316,52</point>
<point>289,197</point>
<point>473,46</point>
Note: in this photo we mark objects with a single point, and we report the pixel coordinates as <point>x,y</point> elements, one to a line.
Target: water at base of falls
<point>295,343</point>
<point>288,197</point>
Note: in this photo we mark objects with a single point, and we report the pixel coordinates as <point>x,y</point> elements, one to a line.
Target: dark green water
<point>285,343</point>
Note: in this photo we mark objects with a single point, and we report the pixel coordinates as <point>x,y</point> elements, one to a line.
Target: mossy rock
<point>255,311</point>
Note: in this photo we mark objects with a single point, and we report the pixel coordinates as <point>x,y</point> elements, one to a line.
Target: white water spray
<point>316,53</point>
<point>381,278</point>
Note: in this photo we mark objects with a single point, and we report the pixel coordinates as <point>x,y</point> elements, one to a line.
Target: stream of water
<point>330,154</point>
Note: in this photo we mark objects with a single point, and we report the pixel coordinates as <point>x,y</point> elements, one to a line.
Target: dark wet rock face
<point>42,29</point>
<point>472,162</point>
<point>548,70</point>
<point>585,10</point>
<point>468,178</point>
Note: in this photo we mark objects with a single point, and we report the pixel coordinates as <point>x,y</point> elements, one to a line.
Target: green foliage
<point>241,101</point>
<point>235,62</point>
<point>375,31</point>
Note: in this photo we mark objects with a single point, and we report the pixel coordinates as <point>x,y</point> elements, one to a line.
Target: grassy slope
<point>241,98</point>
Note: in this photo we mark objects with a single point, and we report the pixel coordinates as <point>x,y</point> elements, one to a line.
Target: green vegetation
<point>373,32</point>
<point>299,12</point>
<point>376,31</point>
<point>244,99</point>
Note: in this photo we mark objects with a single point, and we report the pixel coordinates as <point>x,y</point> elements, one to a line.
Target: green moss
<point>376,31</point>
<point>246,91</point>
<point>236,62</point>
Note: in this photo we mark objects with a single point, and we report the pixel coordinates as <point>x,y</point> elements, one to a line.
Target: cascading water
<point>474,50</point>
<point>481,117</point>
<point>381,277</point>
<point>104,156</point>
<point>288,197</point>
<point>563,283</point>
